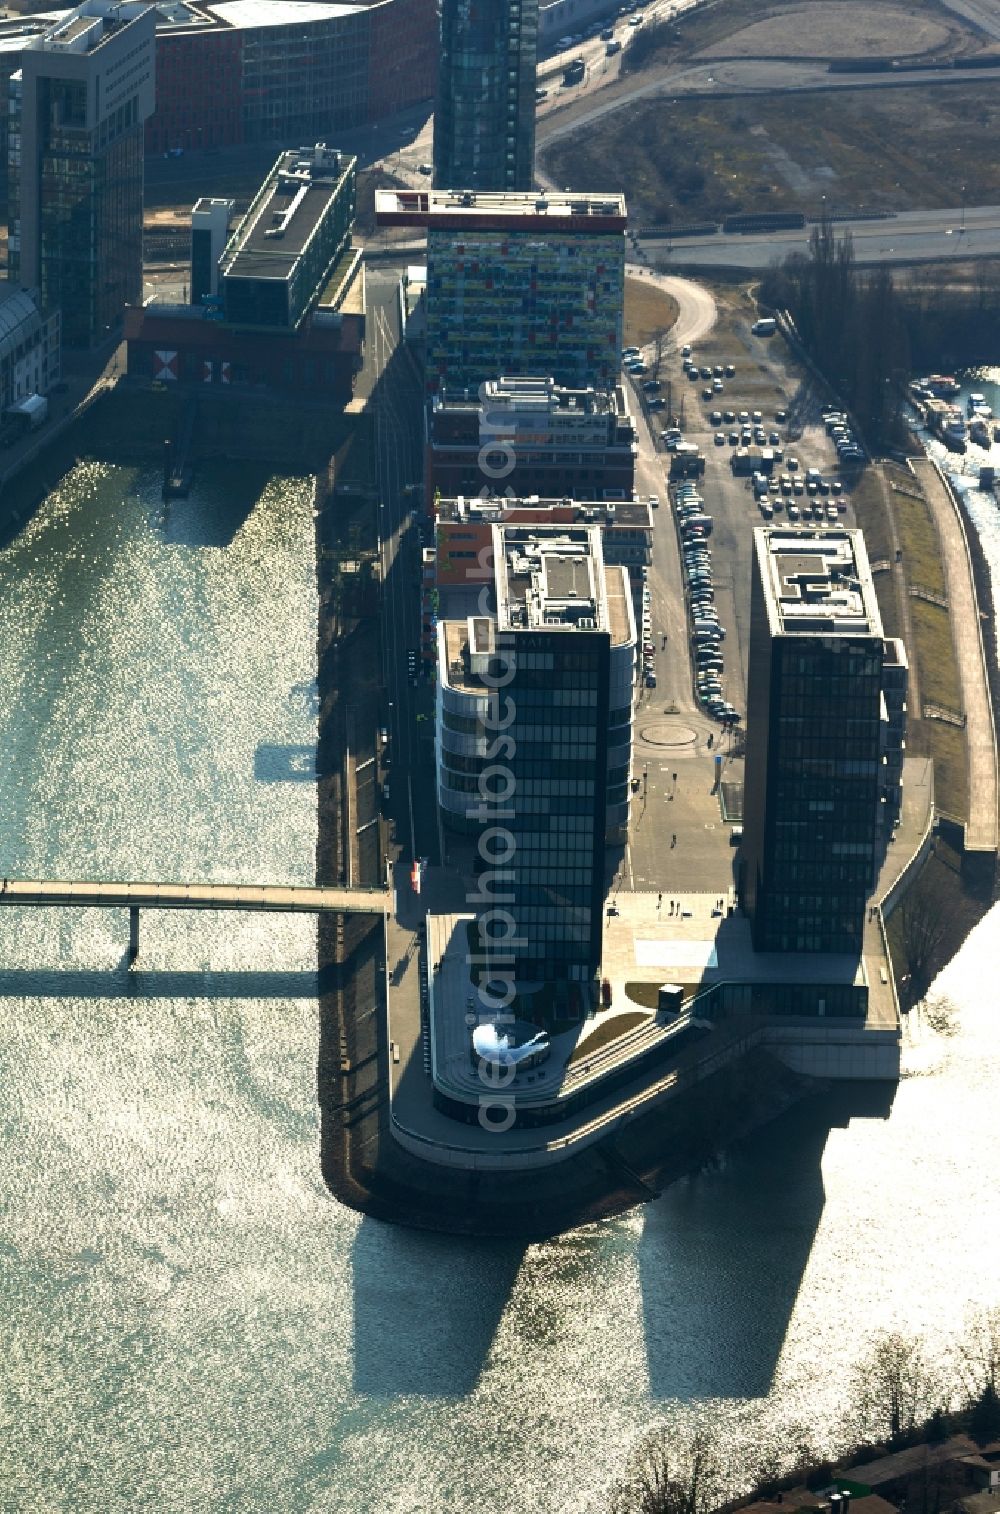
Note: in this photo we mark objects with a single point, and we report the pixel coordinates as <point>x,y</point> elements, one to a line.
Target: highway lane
<point>911,237</point>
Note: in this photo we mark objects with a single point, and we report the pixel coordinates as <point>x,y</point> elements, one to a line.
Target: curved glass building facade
<point>534,736</point>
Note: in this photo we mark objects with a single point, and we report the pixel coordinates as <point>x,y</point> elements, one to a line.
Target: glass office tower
<point>484,121</point>
<point>815,712</point>
<point>560,647</point>
<point>75,160</point>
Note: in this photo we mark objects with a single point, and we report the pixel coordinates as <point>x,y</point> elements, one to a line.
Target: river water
<point>191,1321</point>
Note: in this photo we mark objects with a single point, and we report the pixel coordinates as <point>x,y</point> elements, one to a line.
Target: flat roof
<point>254,13</point>
<point>501,209</point>
<point>817,582</point>
<point>291,201</point>
<point>633,514</point>
<point>87,27</point>
<point>549,578</point>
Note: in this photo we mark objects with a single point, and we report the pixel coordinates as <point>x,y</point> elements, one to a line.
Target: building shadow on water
<point>426,1309</point>
<point>222,498</point>
<point>723,1254</point>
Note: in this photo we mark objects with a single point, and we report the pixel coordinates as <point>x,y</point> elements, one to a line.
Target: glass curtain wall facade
<point>558,767</point>
<point>811,808</point>
<point>484,121</point>
<point>90,210</point>
<point>78,106</point>
<point>304,80</point>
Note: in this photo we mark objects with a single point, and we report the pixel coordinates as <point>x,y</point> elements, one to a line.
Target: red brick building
<point>232,73</point>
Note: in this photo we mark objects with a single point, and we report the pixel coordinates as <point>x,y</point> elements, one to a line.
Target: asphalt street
<point>910,237</point>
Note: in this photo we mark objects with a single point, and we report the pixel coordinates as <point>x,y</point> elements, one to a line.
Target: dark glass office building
<point>75,159</point>
<point>560,649</point>
<point>815,712</point>
<point>484,120</point>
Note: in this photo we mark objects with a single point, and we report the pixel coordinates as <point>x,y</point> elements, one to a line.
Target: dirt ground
<point>719,23</point>
<point>647,311</point>
<point>837,27</point>
<point>701,160</point>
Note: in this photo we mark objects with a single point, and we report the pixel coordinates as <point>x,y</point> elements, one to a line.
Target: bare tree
<point>673,1471</point>
<point>922,923</point>
<point>894,1390</point>
<point>978,1354</point>
<point>660,338</point>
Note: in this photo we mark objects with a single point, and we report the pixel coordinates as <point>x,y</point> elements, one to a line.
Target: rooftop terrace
<point>549,581</point>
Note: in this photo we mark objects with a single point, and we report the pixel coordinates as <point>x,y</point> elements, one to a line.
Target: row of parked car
<point>694,527</point>
<point>648,655</point>
<point>838,427</point>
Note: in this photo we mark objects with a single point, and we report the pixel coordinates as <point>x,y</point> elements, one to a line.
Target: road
<point>394,400</point>
<point>696,308</point>
<point>916,236</point>
<point>985,14</point>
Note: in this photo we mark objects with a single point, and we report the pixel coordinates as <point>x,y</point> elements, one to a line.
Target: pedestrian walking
<point>673,839</point>
<point>4,889</point>
<point>659,900</point>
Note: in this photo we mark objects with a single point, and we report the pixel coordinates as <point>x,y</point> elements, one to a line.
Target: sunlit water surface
<point>191,1321</point>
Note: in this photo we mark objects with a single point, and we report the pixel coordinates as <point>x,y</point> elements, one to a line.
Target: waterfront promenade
<point>981,831</point>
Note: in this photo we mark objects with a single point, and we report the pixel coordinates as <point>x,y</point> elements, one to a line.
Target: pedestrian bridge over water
<point>275,898</point>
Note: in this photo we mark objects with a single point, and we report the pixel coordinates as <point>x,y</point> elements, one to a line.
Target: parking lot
<point>688,762</point>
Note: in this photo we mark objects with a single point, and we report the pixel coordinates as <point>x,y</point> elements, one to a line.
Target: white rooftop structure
<point>817,582</point>
<point>550,581</point>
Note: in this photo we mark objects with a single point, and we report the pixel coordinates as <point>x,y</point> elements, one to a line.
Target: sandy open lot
<point>837,29</point>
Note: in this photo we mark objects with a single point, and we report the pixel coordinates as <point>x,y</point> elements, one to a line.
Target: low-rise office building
<point>463,530</point>
<point>29,346</point>
<point>288,312</point>
<point>268,71</point>
<point>531,436</point>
